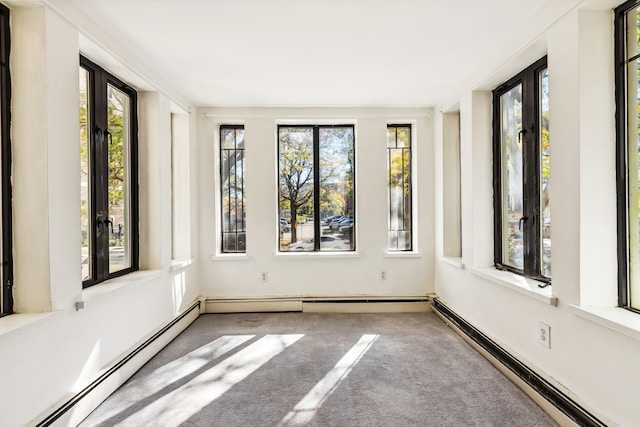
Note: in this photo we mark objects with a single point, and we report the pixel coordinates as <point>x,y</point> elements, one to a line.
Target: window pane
<point>336,187</point>
<point>633,32</point>
<point>633,151</point>
<point>399,180</point>
<point>86,262</point>
<point>296,186</point>
<point>233,194</point>
<point>118,114</point>
<point>545,202</point>
<point>403,137</point>
<point>392,137</point>
<point>512,200</point>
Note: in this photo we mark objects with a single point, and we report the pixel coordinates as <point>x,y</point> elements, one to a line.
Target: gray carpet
<point>287,369</point>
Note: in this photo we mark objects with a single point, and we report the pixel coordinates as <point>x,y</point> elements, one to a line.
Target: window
<point>627,59</point>
<point>232,189</point>
<point>109,175</point>
<point>6,273</point>
<point>399,179</point>
<point>316,188</point>
<point>521,174</point>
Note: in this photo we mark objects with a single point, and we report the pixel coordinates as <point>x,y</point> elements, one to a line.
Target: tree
<point>84,163</point>
<point>335,170</point>
<point>117,146</point>
<point>296,170</point>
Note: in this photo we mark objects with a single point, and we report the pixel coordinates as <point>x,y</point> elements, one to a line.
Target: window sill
<point>399,254</point>
<point>317,255</point>
<point>230,257</point>
<point>21,322</point>
<point>515,282</point>
<point>614,318</point>
<point>116,284</point>
<point>179,265</point>
<point>453,261</point>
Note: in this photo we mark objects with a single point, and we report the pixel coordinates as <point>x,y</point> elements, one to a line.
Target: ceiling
<point>404,53</point>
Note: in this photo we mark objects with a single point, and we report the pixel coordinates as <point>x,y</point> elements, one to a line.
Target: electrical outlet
<point>544,335</point>
<point>383,275</point>
<point>264,276</point>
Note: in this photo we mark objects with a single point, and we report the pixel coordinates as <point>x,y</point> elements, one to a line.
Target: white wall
<point>315,275</point>
<point>49,350</point>
<point>592,357</point>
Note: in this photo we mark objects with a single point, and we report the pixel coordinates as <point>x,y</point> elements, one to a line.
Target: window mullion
<point>100,157</point>
<point>530,181</point>
<point>6,252</point>
<point>316,188</point>
<point>622,161</point>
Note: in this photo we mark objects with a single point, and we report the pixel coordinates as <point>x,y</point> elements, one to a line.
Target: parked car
<point>326,242</point>
<point>335,225</point>
<point>336,220</point>
<point>328,219</point>
<point>84,267</point>
<point>284,227</point>
<point>346,226</point>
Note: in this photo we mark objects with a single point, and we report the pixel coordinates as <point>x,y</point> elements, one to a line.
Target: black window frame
<point>410,173</point>
<point>531,134</point>
<point>6,307</point>
<point>237,231</point>
<point>316,182</point>
<point>622,163</point>
<point>99,78</point>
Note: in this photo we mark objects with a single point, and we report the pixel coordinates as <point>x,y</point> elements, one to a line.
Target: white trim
<point>251,306</point>
<point>317,255</point>
<point>366,307</point>
<point>180,264</point>
<point>516,282</point>
<point>557,415</point>
<point>138,355</point>
<point>240,256</point>
<point>95,40</point>
<point>402,254</point>
<point>114,285</point>
<point>532,42</point>
<point>615,318</point>
<point>453,261</point>
<point>326,304</point>
<point>20,322</point>
<point>360,112</point>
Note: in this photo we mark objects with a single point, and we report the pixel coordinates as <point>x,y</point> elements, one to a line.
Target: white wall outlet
<point>383,275</point>
<point>264,276</point>
<point>544,335</point>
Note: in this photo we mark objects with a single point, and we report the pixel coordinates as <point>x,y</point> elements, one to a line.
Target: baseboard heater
<point>363,301</point>
<point>564,403</point>
<point>76,398</point>
<point>319,305</point>
<point>372,305</point>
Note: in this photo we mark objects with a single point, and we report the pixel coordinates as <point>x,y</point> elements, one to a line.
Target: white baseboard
<point>366,307</point>
<point>73,409</point>
<point>561,407</point>
<point>251,306</point>
<point>319,305</point>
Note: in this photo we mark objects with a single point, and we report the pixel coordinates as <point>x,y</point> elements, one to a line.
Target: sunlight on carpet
<point>304,411</point>
<point>177,406</point>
